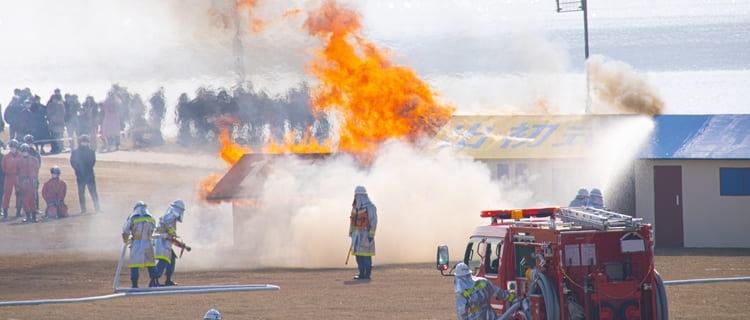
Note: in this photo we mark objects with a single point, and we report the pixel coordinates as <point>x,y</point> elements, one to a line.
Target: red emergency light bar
<point>519,213</point>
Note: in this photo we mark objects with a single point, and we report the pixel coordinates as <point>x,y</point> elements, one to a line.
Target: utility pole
<point>574,6</point>
<point>237,46</point>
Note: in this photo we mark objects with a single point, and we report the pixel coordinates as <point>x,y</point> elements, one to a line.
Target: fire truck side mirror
<point>442,260</point>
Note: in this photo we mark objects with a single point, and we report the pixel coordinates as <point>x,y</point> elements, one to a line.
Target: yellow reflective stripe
<point>474,309</point>
<point>165,258</point>
<point>139,237</point>
<point>476,287</point>
<point>143,265</point>
<point>143,219</point>
<point>372,232</point>
<point>363,254</point>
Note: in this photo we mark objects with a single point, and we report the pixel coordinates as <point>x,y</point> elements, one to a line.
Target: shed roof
<point>576,136</point>
<point>719,136</point>
<point>235,183</point>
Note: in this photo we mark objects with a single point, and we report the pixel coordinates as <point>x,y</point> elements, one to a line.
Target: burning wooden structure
<point>243,184</point>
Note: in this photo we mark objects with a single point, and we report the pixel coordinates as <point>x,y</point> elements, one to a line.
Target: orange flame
<point>307,144</point>
<point>230,152</point>
<point>207,185</point>
<point>374,98</point>
<point>291,13</point>
<point>377,99</point>
<point>258,25</point>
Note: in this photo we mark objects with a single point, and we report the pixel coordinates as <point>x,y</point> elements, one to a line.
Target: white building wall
<point>709,219</point>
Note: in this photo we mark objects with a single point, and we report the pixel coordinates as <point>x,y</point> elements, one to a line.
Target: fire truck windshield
<point>483,253</point>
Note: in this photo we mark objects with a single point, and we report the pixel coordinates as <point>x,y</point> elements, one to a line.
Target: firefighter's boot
<point>361,274</point>
<point>33,217</point>
<point>18,212</point>
<point>368,270</point>
<point>28,217</point>
<point>169,281</point>
<point>154,283</point>
<point>5,213</point>
<point>134,282</point>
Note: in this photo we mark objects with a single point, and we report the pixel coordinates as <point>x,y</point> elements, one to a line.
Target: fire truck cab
<point>566,263</point>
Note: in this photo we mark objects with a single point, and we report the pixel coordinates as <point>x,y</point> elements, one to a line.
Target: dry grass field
<point>59,259</point>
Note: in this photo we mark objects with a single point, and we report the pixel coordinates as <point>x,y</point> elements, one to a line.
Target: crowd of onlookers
<point>255,117</point>
<point>87,127</point>
<point>63,118</point>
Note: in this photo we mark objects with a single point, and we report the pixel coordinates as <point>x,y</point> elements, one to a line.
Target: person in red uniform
<point>28,179</point>
<point>10,167</point>
<point>53,193</point>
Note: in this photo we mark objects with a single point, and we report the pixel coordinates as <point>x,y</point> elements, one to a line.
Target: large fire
<point>376,99</point>
<point>373,98</point>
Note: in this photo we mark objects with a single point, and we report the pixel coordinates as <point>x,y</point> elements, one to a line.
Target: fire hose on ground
<point>138,292</point>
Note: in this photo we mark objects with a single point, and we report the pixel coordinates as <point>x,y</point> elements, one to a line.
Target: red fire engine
<point>567,263</point>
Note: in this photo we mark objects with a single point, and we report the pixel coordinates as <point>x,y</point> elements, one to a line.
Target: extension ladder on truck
<point>599,219</point>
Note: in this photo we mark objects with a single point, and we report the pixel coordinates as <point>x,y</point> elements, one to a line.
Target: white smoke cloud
<point>422,201</point>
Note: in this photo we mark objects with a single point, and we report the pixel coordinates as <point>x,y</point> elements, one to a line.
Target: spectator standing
<point>33,151</point>
<point>83,160</point>
<point>156,116</point>
<point>111,122</point>
<point>25,121</point>
<point>53,192</point>
<point>12,112</point>
<point>56,123</point>
<point>88,121</point>
<point>28,182</point>
<point>72,106</point>
<point>10,169</point>
<point>40,128</point>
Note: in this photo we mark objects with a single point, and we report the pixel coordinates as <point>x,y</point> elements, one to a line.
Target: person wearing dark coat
<point>12,111</point>
<point>83,159</point>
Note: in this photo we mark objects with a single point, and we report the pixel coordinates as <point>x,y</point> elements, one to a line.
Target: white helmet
<point>212,314</point>
<point>360,190</point>
<point>462,270</point>
<point>582,192</point>
<point>179,204</point>
<point>595,192</point>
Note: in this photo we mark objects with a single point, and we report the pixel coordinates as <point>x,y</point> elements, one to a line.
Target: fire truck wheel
<point>630,310</point>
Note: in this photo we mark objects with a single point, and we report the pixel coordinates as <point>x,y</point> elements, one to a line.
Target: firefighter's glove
<point>125,238</point>
<point>371,238</point>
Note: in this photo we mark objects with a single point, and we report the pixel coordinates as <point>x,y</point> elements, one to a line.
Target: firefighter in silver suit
<point>362,224</point>
<point>473,295</point>
<point>165,235</point>
<point>137,231</point>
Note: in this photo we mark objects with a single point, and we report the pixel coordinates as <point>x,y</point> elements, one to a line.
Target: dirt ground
<point>49,260</point>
